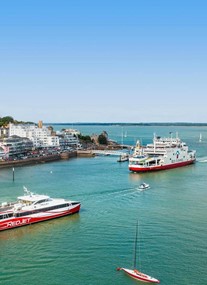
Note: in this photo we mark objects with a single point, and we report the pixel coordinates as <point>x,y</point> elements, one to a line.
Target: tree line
<point>4,121</point>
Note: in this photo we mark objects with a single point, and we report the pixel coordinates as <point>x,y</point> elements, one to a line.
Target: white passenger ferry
<point>163,153</point>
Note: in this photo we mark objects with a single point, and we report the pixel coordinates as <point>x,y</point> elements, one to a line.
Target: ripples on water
<point>86,248</point>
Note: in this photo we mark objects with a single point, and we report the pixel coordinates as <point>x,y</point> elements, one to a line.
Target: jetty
<point>108,152</point>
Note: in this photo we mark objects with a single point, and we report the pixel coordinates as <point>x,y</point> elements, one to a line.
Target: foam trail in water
<point>202,159</point>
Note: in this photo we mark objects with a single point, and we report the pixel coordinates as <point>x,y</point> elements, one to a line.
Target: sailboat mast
<point>122,138</point>
<point>135,246</point>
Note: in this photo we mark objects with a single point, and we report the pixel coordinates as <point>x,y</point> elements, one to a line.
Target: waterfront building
<point>30,131</point>
<point>67,140</point>
<point>53,141</point>
<point>72,132</point>
<point>3,151</point>
<point>13,146</point>
<point>43,136</point>
<point>39,135</point>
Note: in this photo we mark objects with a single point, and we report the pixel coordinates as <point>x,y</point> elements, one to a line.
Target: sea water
<point>86,248</point>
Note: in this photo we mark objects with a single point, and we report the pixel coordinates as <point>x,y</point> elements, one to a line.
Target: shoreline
<point>38,160</point>
<point>56,157</point>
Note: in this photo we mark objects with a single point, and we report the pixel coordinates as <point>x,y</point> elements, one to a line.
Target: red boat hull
<point>139,276</point>
<point>15,222</point>
<point>135,168</point>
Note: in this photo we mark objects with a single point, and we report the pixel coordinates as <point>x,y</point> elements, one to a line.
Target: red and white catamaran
<point>33,208</point>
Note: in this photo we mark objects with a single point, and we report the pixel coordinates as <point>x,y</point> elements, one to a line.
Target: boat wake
<point>108,194</point>
<point>141,190</point>
<point>202,159</point>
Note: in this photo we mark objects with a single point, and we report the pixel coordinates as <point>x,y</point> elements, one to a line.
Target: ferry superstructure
<point>163,153</point>
<point>33,208</point>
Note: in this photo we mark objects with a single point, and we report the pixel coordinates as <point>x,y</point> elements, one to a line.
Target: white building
<point>40,136</point>
<point>73,132</point>
<point>53,141</point>
<point>14,146</point>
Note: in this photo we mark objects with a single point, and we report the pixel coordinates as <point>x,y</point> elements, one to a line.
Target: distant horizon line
<point>132,124</point>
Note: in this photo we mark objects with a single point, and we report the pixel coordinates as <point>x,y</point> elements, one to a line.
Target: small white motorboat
<point>144,186</point>
<point>123,157</point>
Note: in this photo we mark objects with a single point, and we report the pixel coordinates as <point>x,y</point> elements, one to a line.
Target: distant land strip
<point>132,124</point>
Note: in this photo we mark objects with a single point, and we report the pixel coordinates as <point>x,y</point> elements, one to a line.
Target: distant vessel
<point>123,157</point>
<point>33,208</point>
<point>163,153</point>
<point>136,274</point>
<point>200,138</point>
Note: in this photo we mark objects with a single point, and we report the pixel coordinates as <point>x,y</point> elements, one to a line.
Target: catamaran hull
<point>139,276</point>
<point>15,222</point>
<point>137,168</point>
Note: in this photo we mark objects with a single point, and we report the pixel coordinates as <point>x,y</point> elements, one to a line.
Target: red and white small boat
<point>134,273</point>
<point>33,208</point>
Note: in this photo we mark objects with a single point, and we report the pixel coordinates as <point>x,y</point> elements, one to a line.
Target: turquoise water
<point>86,248</point>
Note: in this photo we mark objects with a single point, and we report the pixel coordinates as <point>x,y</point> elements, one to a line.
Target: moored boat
<point>163,153</point>
<point>33,208</point>
<point>123,157</point>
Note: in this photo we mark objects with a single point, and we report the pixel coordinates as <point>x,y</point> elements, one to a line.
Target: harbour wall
<point>37,160</point>
<point>85,153</point>
<point>50,158</point>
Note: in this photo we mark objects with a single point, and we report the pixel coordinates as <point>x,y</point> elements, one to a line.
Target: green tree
<point>6,120</point>
<point>102,139</point>
<point>86,139</point>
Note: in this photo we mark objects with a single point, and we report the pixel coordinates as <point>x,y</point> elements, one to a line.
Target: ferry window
<point>41,201</point>
<point>22,214</point>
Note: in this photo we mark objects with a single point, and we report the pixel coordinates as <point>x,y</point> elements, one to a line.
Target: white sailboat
<point>134,273</point>
<point>200,138</point>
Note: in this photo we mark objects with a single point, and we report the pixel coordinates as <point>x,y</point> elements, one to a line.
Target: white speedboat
<point>33,208</point>
<point>144,186</point>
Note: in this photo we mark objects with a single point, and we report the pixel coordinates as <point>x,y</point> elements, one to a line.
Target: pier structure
<point>108,152</point>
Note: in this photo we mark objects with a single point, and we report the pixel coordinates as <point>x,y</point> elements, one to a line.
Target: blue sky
<point>103,61</point>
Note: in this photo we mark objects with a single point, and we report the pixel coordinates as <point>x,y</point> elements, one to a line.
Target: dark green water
<point>86,248</point>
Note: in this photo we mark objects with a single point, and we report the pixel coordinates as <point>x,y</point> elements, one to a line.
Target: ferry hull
<point>15,222</point>
<point>137,168</point>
